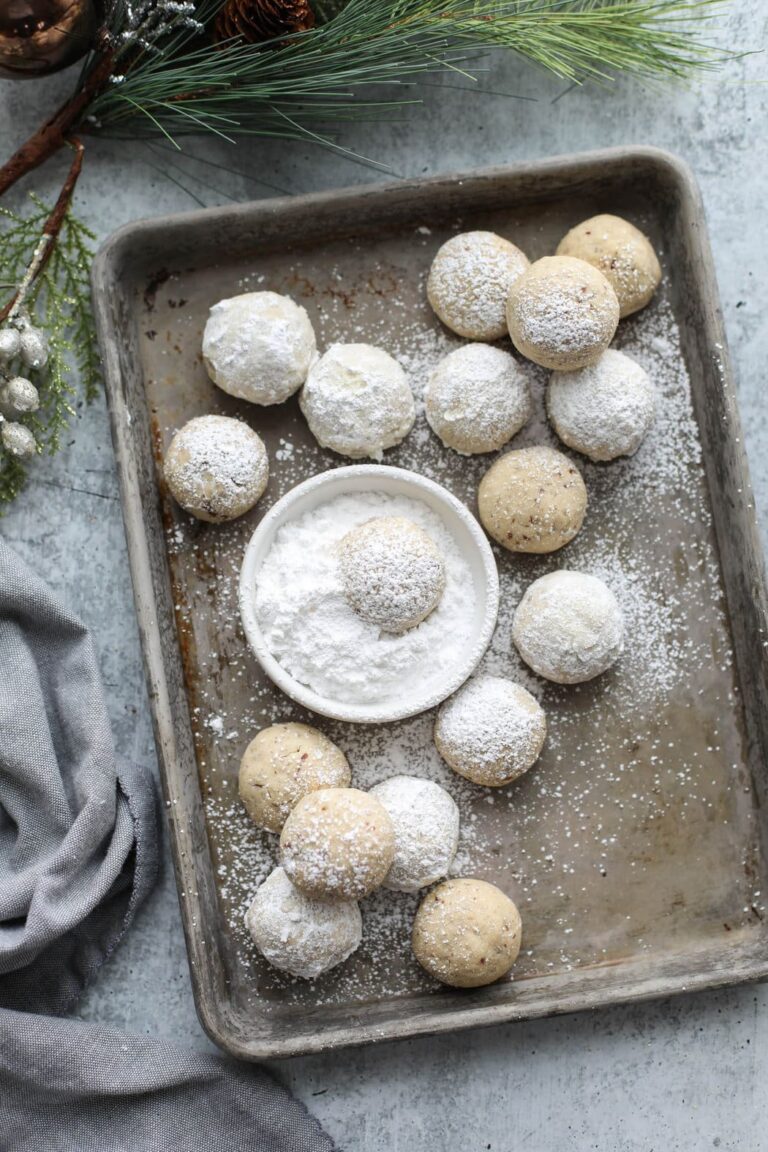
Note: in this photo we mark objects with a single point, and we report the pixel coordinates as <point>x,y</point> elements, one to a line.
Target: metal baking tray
<point>636,848</point>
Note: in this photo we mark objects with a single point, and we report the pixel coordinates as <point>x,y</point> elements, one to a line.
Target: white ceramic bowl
<point>396,482</point>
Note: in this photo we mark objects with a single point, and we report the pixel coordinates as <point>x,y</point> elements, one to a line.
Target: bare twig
<point>48,236</point>
<point>54,134</point>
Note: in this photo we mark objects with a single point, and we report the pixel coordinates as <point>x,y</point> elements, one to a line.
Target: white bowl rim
<point>301,693</point>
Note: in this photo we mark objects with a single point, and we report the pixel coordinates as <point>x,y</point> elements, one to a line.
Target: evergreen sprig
<point>59,301</point>
<point>284,88</point>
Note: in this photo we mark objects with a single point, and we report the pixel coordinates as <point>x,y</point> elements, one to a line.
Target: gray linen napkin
<point>78,854</point>
<point>69,1087</point>
<point>78,829</point>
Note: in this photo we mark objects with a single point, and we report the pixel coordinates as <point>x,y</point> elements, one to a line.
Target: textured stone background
<point>686,1074</point>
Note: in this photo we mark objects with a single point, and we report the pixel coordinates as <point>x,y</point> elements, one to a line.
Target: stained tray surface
<point>633,847</point>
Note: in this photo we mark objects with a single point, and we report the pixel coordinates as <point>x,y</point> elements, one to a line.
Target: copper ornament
<point>41,36</point>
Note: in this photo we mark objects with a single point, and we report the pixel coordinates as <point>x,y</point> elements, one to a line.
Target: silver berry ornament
<point>10,344</point>
<point>19,395</point>
<point>34,348</point>
<point>17,440</point>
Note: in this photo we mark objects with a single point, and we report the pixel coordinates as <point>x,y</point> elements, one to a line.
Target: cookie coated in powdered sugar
<point>259,346</point>
<point>477,399</point>
<point>426,823</point>
<point>491,731</point>
<point>337,843</point>
<point>569,627</point>
<point>469,282</point>
<point>562,313</point>
<point>300,935</point>
<point>216,468</point>
<point>357,401</point>
<point>392,572</point>
<point>604,410</point>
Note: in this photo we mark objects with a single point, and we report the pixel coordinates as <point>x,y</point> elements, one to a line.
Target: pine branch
<point>282,88</point>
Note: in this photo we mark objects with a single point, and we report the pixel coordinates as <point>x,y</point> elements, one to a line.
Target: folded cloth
<point>70,1087</point>
<point>78,828</point>
<point>78,854</point>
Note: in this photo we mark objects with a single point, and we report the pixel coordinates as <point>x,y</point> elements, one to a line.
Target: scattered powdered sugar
<point>469,283</point>
<point>310,628</point>
<point>644,768</point>
<point>603,410</point>
<point>426,823</point>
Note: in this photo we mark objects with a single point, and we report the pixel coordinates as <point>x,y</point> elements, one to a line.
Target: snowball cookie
<point>532,500</point>
<point>426,823</point>
<point>491,731</point>
<point>477,398</point>
<point>466,933</point>
<point>568,627</point>
<point>357,401</point>
<point>392,572</point>
<point>622,253</point>
<point>283,763</point>
<point>300,935</point>
<point>469,282</point>
<point>338,843</point>
<point>604,410</point>
<point>562,313</point>
<point>216,468</point>
<point>258,346</point>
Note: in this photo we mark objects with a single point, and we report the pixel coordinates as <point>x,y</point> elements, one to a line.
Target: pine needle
<point>286,88</point>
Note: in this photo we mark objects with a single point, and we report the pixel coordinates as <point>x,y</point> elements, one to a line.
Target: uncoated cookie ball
<point>622,253</point>
<point>259,346</point>
<point>466,933</point>
<point>532,500</point>
<point>338,844</point>
<point>216,468</point>
<point>469,282</point>
<point>283,763</point>
<point>562,313</point>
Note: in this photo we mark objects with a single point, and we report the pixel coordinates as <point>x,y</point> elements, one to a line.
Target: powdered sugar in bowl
<point>308,640</point>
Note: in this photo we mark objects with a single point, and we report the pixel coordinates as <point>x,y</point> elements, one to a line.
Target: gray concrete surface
<point>684,1075</point>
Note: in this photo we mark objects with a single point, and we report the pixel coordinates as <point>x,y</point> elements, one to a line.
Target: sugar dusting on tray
<point>589,825</point>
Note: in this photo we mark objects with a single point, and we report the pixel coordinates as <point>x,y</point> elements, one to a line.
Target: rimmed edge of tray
<point>740,557</point>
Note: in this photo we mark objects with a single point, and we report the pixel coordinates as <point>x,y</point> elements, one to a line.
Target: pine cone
<point>257,20</point>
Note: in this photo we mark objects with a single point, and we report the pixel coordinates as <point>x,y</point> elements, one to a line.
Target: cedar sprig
<point>59,302</point>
